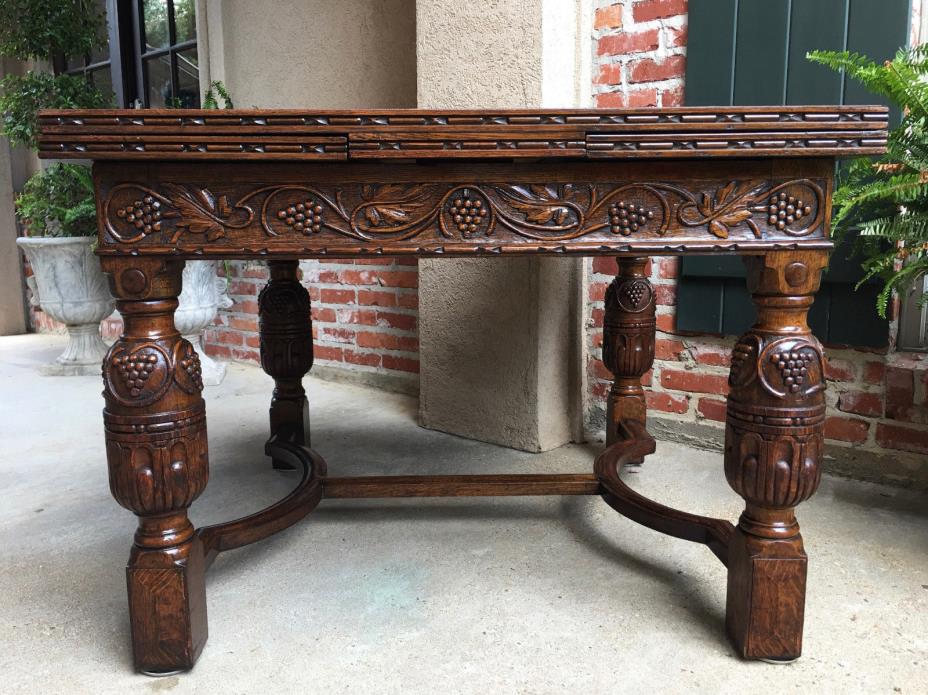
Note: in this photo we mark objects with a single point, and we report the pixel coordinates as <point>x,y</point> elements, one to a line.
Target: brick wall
<point>365,316</point>
<point>877,402</point>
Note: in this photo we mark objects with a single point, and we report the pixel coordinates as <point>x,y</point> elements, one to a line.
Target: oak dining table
<point>283,185</point>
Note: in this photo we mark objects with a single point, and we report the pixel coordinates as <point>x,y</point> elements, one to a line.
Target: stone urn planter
<point>202,295</point>
<point>70,287</point>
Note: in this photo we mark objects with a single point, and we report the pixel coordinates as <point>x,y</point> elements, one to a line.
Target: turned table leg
<point>773,449</point>
<point>155,423</point>
<point>628,342</point>
<point>286,351</point>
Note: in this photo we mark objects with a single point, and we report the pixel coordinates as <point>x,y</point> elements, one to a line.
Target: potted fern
<point>887,199</point>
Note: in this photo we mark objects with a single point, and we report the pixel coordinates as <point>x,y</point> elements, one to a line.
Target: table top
<point>592,134</point>
<point>300,183</point>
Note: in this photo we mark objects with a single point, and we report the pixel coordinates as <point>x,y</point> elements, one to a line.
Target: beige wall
<point>313,53</point>
<point>499,337</point>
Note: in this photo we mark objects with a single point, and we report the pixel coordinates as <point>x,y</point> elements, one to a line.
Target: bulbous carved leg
<point>773,447</point>
<point>155,423</point>
<point>286,351</point>
<point>628,342</point>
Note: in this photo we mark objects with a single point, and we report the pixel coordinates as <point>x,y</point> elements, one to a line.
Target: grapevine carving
<point>463,212</point>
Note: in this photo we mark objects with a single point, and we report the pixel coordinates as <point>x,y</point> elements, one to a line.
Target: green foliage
<point>217,88</point>
<point>24,95</point>
<point>48,28</point>
<point>59,202</point>
<point>887,199</point>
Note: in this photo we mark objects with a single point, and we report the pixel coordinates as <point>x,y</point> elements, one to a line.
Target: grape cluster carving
<point>793,367</point>
<point>635,292</point>
<point>625,218</point>
<point>135,370</point>
<point>467,213</point>
<point>190,363</point>
<point>144,214</point>
<point>784,210</point>
<point>303,217</point>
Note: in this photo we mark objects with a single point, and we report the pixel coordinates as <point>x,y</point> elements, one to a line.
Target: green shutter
<point>752,52</point>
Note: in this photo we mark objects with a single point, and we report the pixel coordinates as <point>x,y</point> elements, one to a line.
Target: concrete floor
<point>505,595</point>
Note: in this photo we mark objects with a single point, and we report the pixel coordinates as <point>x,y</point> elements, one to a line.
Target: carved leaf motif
<point>198,211</point>
<point>537,203</point>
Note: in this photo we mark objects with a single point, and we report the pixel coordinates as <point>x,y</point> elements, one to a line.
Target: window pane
<point>102,79</point>
<point>185,21</point>
<point>188,79</point>
<point>155,22</point>
<point>158,79</point>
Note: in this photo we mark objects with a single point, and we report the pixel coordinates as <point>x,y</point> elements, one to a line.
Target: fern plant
<point>887,199</point>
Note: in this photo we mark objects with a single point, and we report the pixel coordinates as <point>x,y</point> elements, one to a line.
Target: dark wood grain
<point>330,135</point>
<point>283,185</point>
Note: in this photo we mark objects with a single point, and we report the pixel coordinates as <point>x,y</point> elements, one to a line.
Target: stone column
<point>499,338</point>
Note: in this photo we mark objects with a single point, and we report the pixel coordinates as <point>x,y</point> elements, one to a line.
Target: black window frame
<point>125,36</point>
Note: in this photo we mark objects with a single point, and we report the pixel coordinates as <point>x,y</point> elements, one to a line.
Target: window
<point>744,52</point>
<point>151,60</point>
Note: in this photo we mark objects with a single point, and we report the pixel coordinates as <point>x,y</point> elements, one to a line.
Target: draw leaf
<point>736,216</point>
<point>540,215</point>
<point>372,215</point>
<point>393,214</point>
<point>561,215</point>
<point>724,193</point>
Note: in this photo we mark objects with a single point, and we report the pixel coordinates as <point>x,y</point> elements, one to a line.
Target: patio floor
<point>497,595</point>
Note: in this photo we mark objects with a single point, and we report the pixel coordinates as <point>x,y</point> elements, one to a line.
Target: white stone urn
<point>70,287</point>
<point>202,295</point>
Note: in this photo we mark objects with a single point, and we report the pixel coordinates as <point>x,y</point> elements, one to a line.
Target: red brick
<point>245,355</point>
<point>598,369</point>
<point>243,287</point>
<point>861,403</point>
<point>668,268</point>
<point>256,273</point>
<point>375,298</point>
<point>839,370</point>
<point>625,42</point>
<point>402,364</point>
<point>846,429</point>
<point>901,437</point>
<point>244,323</point>
<point>365,317</point>
<point>313,293</point>
<point>387,341</point>
<point>338,296</point>
<point>712,355</point>
<point>646,10</point>
<point>227,337</point>
<point>597,291</point>
<point>597,339</point>
<point>609,74</point>
<point>399,278</point>
<point>675,36</point>
<point>605,265</point>
<point>608,17</point>
<point>323,314</point>
<point>647,70</point>
<point>365,358</point>
<point>693,381</point>
<point>672,97</point>
<point>899,390</point>
<point>711,409</point>
<point>600,389</point>
<point>641,97</point>
<point>220,351</point>
<point>874,372</point>
<point>254,341</point>
<point>665,323</point>
<point>610,100</point>
<point>648,378</point>
<point>665,349</point>
<point>247,306</point>
<point>596,318</point>
<point>404,322</point>
<point>325,352</point>
<point>667,402</point>
<point>338,335</point>
<point>408,300</point>
<point>665,295</point>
